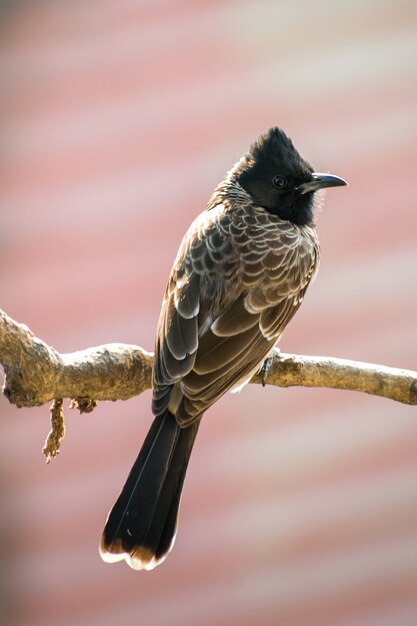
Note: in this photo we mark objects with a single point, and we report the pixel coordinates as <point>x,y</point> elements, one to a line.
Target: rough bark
<point>36,373</point>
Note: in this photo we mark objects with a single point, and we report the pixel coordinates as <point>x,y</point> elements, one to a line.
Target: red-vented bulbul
<point>240,274</point>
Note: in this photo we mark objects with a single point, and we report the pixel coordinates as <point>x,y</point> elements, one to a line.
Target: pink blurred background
<point>117,119</point>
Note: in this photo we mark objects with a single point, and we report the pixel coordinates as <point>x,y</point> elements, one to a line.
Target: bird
<point>239,276</point>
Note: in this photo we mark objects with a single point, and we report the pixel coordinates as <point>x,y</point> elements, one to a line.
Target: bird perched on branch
<point>240,274</point>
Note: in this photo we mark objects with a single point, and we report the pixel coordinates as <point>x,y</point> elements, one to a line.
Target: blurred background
<point>118,118</point>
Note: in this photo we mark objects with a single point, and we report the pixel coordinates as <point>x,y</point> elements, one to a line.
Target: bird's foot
<point>266,365</point>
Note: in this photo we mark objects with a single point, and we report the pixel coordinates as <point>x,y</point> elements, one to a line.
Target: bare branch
<point>36,373</point>
<point>288,370</point>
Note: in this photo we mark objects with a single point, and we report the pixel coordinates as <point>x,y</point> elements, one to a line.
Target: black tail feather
<point>142,524</point>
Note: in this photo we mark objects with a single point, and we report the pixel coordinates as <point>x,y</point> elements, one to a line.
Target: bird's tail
<point>141,527</point>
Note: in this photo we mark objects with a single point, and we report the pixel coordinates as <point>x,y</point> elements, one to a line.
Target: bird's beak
<point>319,181</point>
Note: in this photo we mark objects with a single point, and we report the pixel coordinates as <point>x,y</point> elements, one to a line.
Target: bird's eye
<point>279,181</point>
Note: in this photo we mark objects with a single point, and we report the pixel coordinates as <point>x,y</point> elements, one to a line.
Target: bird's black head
<point>279,179</point>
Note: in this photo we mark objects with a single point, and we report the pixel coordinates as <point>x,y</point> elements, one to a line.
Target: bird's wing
<point>237,281</point>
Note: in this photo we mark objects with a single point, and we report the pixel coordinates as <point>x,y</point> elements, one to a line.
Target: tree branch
<point>35,373</point>
<point>287,370</point>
